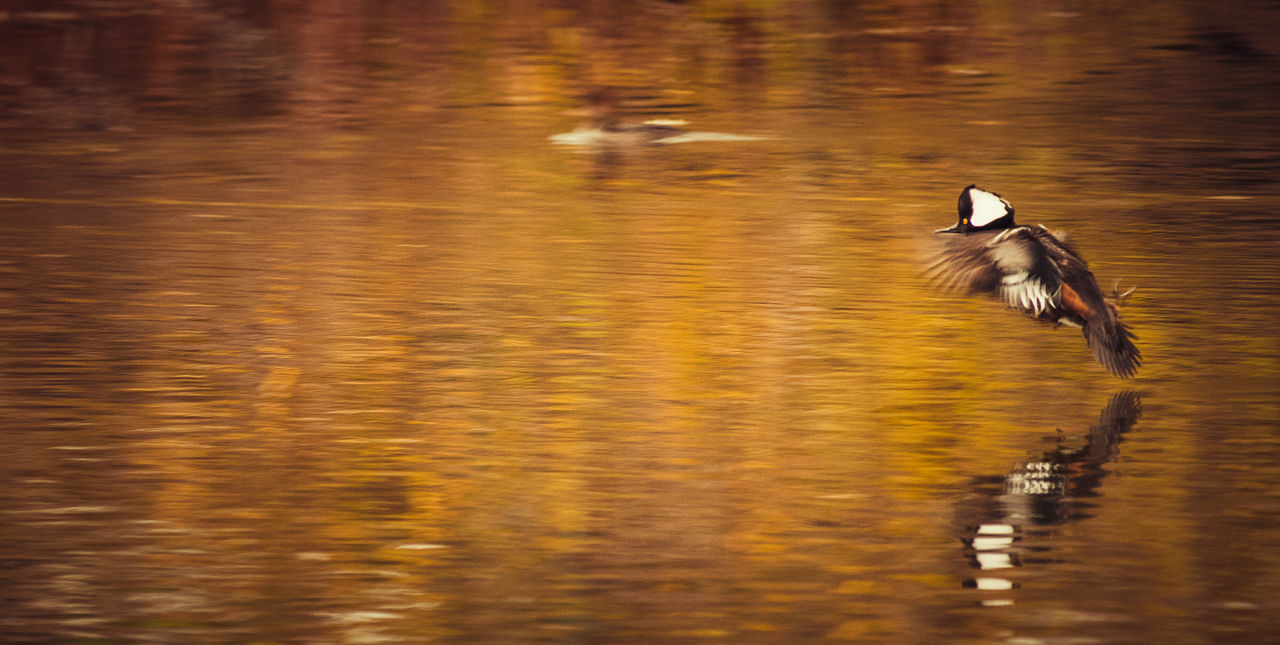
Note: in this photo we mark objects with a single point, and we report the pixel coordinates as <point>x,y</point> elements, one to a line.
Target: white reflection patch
<point>996,529</point>
<point>989,543</point>
<point>993,584</point>
<point>693,137</point>
<point>995,560</point>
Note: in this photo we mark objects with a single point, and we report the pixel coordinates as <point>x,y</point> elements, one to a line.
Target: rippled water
<point>395,365</point>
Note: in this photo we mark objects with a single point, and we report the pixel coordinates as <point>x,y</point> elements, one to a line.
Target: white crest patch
<point>987,207</point>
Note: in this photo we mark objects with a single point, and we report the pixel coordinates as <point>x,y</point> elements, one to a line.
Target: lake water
<point>310,332</point>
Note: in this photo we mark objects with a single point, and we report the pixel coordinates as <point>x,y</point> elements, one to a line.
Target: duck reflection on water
<point>1036,494</point>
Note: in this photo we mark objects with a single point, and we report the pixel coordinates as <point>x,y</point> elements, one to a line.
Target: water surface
<point>312,334</point>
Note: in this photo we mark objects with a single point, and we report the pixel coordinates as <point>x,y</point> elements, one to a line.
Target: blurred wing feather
<point>1112,344</point>
<point>1012,264</point>
<point>963,265</point>
<point>1029,279</point>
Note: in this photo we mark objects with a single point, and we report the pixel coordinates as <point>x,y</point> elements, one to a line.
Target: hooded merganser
<point>1033,271</point>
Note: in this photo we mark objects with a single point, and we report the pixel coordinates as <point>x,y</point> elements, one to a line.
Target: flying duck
<point>1034,271</point>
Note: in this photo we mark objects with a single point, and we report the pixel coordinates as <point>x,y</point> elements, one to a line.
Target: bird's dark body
<point>1036,272</point>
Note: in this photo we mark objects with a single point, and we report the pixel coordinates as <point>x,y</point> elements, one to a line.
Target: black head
<point>981,211</point>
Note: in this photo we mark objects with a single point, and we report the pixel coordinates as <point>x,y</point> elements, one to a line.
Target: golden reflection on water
<point>397,368</point>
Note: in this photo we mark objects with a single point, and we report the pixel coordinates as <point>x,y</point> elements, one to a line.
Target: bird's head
<point>981,211</point>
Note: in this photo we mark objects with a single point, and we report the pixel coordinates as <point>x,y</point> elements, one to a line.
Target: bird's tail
<point>1112,344</point>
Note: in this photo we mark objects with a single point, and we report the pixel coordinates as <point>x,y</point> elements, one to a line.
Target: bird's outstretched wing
<point>1012,264</point>
<point>1112,344</point>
